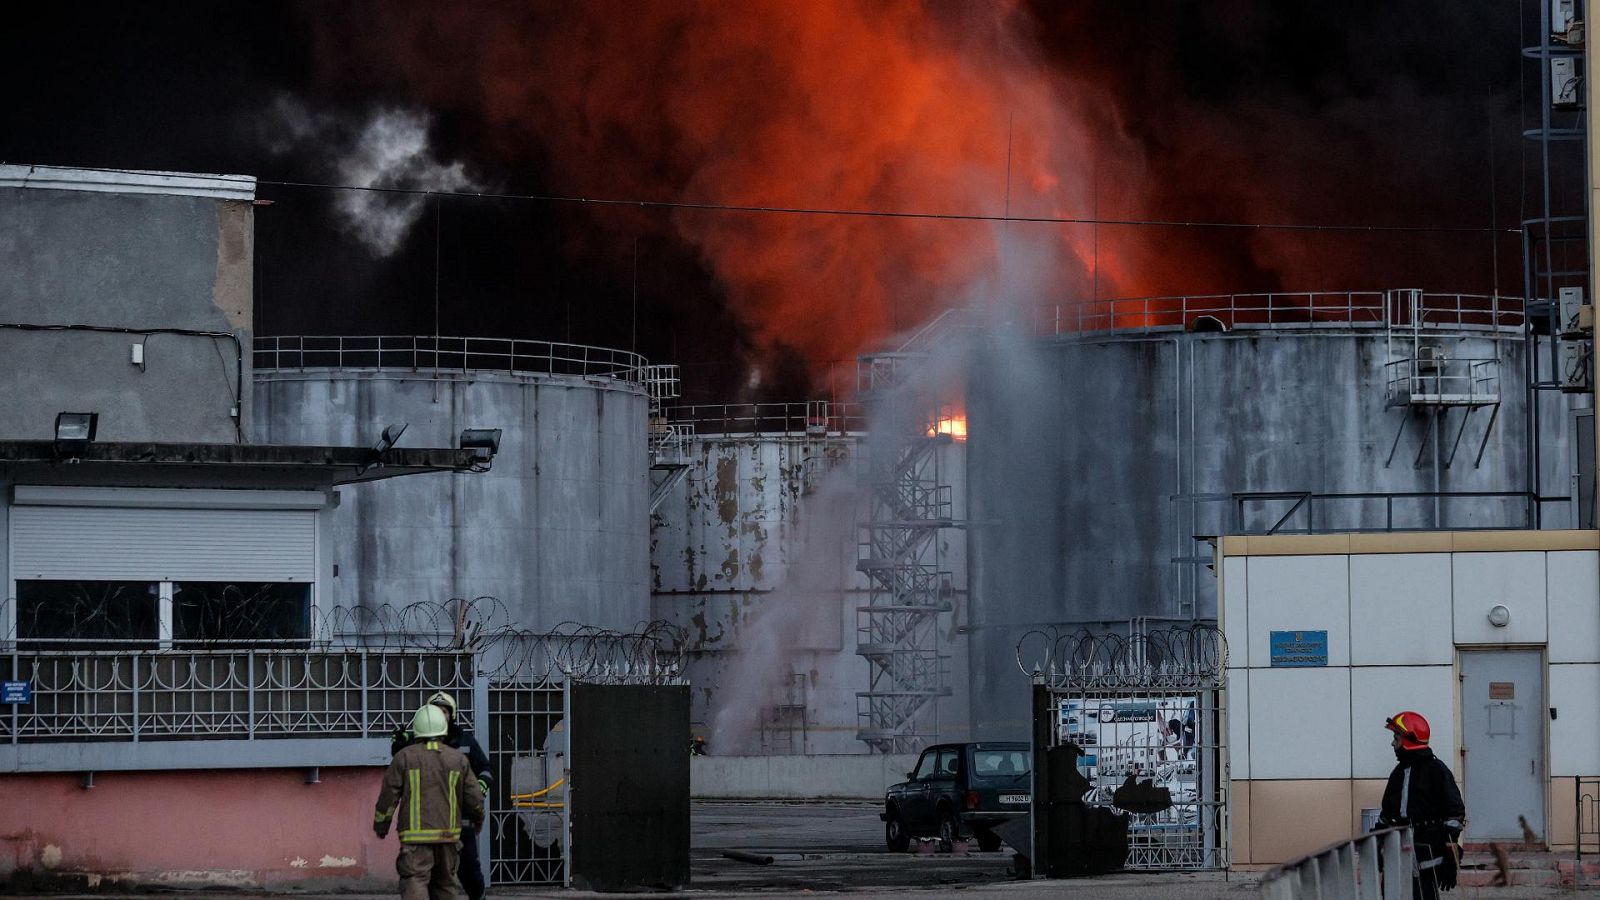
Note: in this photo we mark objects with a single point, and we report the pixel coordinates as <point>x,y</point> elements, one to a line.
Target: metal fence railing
<point>1442,382</point>
<point>130,695</point>
<point>360,672</point>
<point>1375,866</point>
<point>1309,512</point>
<point>815,417</point>
<point>1303,309</point>
<point>449,354</point>
<point>1586,819</point>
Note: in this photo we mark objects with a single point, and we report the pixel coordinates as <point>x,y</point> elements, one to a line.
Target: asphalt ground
<point>826,848</point>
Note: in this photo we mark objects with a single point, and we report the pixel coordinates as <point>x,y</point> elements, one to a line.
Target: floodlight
<point>76,429</point>
<point>483,442</point>
<point>389,438</point>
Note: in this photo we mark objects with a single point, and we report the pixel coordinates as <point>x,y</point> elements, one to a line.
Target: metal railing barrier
<point>1587,822</point>
<point>1375,866</point>
<point>813,418</point>
<point>1311,512</point>
<point>1300,309</point>
<point>457,354</point>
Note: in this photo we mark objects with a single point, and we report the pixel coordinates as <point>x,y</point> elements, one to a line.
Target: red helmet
<point>1412,728</point>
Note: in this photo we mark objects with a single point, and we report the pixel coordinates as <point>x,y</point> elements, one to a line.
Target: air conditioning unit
<point>1564,80</point>
<point>1430,359</point>
<point>1562,14</point>
<point>1570,320</point>
<point>1576,364</point>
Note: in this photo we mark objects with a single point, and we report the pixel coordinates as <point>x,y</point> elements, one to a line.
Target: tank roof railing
<point>427,353</point>
<point>1302,309</point>
<point>812,417</point>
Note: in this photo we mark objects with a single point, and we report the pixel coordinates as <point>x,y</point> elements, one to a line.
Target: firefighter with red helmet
<point>1422,793</point>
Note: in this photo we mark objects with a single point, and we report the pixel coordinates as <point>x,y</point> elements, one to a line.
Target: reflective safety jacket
<point>430,786</point>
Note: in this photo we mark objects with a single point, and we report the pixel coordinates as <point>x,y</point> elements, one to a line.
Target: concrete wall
<point>753,554</point>
<point>133,261</point>
<point>1397,609</point>
<point>856,777</point>
<point>254,828</point>
<point>558,530</point>
<point>1081,451</point>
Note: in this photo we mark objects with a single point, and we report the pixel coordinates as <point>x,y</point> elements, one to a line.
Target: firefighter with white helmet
<point>461,739</point>
<point>429,789</point>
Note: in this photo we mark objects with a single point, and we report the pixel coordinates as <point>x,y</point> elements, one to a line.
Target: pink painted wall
<point>246,828</point>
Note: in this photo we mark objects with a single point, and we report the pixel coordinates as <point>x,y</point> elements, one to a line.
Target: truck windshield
<point>999,763</point>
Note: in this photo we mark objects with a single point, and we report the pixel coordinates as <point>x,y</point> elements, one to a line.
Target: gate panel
<point>526,813</point>
<point>1143,718</point>
<point>629,816</point>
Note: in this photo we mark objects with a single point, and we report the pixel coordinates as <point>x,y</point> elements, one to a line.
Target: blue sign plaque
<point>1299,649</point>
<point>16,692</point>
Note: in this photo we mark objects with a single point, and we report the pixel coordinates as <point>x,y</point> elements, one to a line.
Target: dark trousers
<point>471,871</point>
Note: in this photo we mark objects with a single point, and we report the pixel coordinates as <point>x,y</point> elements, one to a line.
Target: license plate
<point>1015,798</point>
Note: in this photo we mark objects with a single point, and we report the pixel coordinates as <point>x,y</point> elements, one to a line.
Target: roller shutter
<point>115,543</point>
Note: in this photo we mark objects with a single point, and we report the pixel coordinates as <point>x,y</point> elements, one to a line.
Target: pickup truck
<point>959,789</point>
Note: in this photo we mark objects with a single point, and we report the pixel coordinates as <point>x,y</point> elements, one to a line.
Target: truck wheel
<point>894,834</point>
<point>988,841</point>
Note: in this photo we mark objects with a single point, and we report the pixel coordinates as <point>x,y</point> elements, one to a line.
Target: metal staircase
<point>897,631</point>
<point>668,463</point>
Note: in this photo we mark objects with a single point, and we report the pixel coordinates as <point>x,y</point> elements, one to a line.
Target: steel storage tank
<point>558,530</point>
<point>1099,451</point>
<point>754,555</point>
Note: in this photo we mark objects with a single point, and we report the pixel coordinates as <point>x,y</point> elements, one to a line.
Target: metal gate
<point>529,676</point>
<point>526,822</point>
<point>1146,716</point>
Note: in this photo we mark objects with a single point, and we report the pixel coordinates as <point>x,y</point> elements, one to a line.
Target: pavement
<point>829,848</point>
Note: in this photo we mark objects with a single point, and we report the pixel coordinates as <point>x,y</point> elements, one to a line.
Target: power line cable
<point>894,214</point>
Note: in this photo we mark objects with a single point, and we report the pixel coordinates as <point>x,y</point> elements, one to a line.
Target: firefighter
<point>1422,793</point>
<point>462,739</point>
<point>432,786</point>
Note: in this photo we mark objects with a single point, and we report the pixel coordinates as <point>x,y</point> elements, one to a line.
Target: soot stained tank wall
<point>558,530</point>
<point>1079,447</point>
<point>754,555</point>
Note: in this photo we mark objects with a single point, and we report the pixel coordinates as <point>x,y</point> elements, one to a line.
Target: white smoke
<point>383,155</point>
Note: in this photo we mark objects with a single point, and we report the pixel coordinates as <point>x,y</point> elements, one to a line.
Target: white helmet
<point>429,722</point>
<point>440,698</point>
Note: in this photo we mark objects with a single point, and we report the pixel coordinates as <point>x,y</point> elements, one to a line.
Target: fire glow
<point>861,106</point>
<point>955,426</point>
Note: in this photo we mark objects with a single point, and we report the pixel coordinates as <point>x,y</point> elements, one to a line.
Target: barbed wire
<point>1190,657</point>
<point>480,626</point>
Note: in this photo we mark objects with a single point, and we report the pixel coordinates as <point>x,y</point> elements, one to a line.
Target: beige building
<point>1493,636</point>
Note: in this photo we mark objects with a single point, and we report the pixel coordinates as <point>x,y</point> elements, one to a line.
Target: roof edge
<point>128,181</point>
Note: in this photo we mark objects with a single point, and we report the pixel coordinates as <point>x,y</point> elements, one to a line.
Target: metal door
<point>628,786</point>
<point>1502,743</point>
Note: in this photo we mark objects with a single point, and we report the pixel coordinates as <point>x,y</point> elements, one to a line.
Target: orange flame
<point>955,426</point>
<point>872,105</point>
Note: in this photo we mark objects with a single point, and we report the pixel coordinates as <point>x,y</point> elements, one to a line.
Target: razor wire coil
<point>481,626</point>
<point>1191,657</point>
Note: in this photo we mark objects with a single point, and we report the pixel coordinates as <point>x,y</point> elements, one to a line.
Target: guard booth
<point>1128,766</point>
<point>589,739</point>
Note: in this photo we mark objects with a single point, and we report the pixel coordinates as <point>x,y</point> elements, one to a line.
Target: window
<point>995,763</point>
<point>949,763</point>
<point>927,765</point>
<point>224,612</point>
<point>88,614</point>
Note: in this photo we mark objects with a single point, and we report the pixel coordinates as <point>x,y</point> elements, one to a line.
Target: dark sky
<point>1371,113</point>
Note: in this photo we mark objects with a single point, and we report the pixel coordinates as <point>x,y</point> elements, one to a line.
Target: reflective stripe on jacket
<point>431,786</point>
